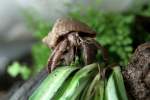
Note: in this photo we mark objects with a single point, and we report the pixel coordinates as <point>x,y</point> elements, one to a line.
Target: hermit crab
<point>70,38</point>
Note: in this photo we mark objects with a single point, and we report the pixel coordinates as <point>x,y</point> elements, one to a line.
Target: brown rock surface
<point>137,74</point>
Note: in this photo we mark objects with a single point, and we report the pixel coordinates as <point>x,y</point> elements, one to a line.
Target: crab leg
<point>51,56</point>
<point>89,53</point>
<point>54,51</point>
<point>69,56</point>
<point>56,56</point>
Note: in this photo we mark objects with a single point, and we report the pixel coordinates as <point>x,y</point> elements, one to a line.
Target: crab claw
<point>56,55</point>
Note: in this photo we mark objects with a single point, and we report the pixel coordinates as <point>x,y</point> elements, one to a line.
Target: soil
<point>137,74</point>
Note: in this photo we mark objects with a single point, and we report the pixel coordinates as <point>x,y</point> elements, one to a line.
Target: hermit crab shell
<point>64,26</point>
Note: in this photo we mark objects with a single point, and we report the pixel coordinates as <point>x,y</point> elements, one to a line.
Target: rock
<point>137,74</point>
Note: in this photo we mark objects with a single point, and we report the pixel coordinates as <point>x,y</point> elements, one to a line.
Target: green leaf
<point>83,95</point>
<point>100,90</point>
<point>52,83</point>
<point>115,89</point>
<point>80,88</point>
<point>91,90</point>
<point>63,88</point>
<point>110,92</point>
<point>119,83</point>
<point>82,74</point>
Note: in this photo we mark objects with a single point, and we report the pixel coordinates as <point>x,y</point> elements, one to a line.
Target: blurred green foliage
<point>143,35</point>
<point>40,28</point>
<point>40,52</point>
<point>17,69</point>
<point>145,10</point>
